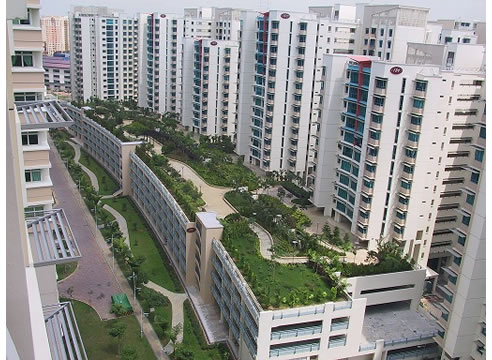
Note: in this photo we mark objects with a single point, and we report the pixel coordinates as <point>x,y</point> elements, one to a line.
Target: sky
<point>439,9</point>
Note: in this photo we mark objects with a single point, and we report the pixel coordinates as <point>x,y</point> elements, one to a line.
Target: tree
<point>129,353</point>
<point>117,309</point>
<point>336,236</point>
<point>181,353</point>
<point>117,331</point>
<point>281,192</point>
<point>327,231</point>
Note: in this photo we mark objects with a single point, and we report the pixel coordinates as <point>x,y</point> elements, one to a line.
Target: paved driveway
<point>93,282</point>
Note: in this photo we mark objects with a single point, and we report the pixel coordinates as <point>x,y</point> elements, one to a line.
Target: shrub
<point>296,190</point>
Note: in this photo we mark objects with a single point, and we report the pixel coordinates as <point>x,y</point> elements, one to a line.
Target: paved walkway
<point>94,281</point>
<point>121,223</point>
<point>266,242</point>
<point>177,300</point>
<point>212,195</point>
<point>91,175</point>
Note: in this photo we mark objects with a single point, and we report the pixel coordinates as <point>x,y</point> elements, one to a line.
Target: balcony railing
<point>295,349</point>
<point>63,333</point>
<point>52,239</point>
<point>277,335</point>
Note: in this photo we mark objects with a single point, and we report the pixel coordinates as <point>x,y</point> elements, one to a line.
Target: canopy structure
<point>122,299</point>
<point>51,237</point>
<point>63,333</point>
<point>42,114</point>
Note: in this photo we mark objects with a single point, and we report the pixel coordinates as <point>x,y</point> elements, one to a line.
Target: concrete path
<point>113,195</point>
<point>91,175</point>
<point>121,223</point>
<point>177,300</point>
<point>94,281</point>
<point>212,195</point>
<point>265,238</point>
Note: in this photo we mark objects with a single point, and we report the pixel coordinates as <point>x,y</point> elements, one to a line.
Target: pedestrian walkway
<point>92,176</point>
<point>266,242</point>
<point>94,281</point>
<point>121,223</point>
<point>177,300</point>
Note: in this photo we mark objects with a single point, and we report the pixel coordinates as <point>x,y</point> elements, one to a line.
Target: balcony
<point>362,220</point>
<point>414,127</point>
<point>417,111</point>
<point>369,175</point>
<point>367,190</point>
<point>305,331</point>
<point>409,160</point>
<point>365,206</point>
<point>51,239</point>
<point>378,109</point>
<point>379,91</point>
<point>294,136</point>
<point>407,176</point>
<point>402,207</point>
<point>397,236</point>
<point>373,142</point>
<point>295,125</point>
<point>63,333</point>
<point>419,93</point>
<point>298,91</point>
<point>404,191</point>
<point>294,348</point>
<point>412,143</point>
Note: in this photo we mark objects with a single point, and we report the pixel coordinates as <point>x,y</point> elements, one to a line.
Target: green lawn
<point>64,270</point>
<point>275,285</point>
<point>157,265</point>
<point>99,345</point>
<point>107,185</point>
<point>193,338</point>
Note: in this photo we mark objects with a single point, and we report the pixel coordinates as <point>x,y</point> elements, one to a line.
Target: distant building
<point>55,34</point>
<point>57,72</point>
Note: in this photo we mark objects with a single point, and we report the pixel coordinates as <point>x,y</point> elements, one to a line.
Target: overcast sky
<point>439,9</point>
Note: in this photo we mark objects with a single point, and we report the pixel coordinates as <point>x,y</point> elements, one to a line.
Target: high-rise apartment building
<point>289,49</point>
<point>386,29</point>
<point>460,31</point>
<point>166,62</point>
<point>56,35</point>
<point>215,87</point>
<point>57,72</point>
<point>104,53</point>
<point>38,235</point>
<point>374,139</point>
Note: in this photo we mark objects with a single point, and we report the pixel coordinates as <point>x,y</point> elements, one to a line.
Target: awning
<point>42,114</point>
<point>450,271</point>
<point>52,239</point>
<point>63,333</point>
<point>455,252</point>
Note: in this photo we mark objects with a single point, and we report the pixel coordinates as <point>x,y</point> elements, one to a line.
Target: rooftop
<point>209,220</point>
<point>393,322</point>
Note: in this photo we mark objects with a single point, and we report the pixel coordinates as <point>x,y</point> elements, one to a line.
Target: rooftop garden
<point>276,285</point>
<point>184,192</point>
<point>285,224</point>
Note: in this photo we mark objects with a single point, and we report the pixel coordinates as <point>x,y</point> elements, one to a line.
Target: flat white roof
<point>209,220</point>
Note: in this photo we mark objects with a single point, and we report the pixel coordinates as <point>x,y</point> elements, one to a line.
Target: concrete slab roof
<point>396,322</point>
<point>209,220</point>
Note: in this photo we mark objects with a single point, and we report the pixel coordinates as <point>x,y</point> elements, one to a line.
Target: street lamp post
<point>141,321</point>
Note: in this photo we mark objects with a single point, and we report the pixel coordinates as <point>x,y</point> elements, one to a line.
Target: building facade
<point>104,54</point>
<point>56,34</point>
<point>57,72</point>
<point>38,236</point>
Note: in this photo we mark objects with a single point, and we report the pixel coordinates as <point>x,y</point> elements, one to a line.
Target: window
<point>390,32</point>
<point>413,136</point>
<point>420,86</point>
<point>32,211</point>
<point>474,177</point>
<point>382,32</point>
<point>27,96</point>
<point>415,120</point>
<point>275,24</point>
<point>27,21</point>
<point>418,103</point>
<point>22,59</point>
<point>33,175</point>
<point>378,101</point>
<point>479,155</point>
<point>30,138</point>
<point>470,199</point>
<point>482,132</point>
<point>466,219</point>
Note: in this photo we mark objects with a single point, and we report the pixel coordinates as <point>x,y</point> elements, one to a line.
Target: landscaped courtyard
<point>99,344</point>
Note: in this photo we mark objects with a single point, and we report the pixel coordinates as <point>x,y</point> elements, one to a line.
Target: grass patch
<point>194,340</point>
<point>99,345</point>
<point>64,270</point>
<point>157,265</point>
<point>274,285</point>
<point>107,185</point>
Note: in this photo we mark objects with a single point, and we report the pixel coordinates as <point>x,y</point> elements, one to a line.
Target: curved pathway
<point>177,300</point>
<point>121,223</point>
<point>266,241</point>
<point>91,175</point>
